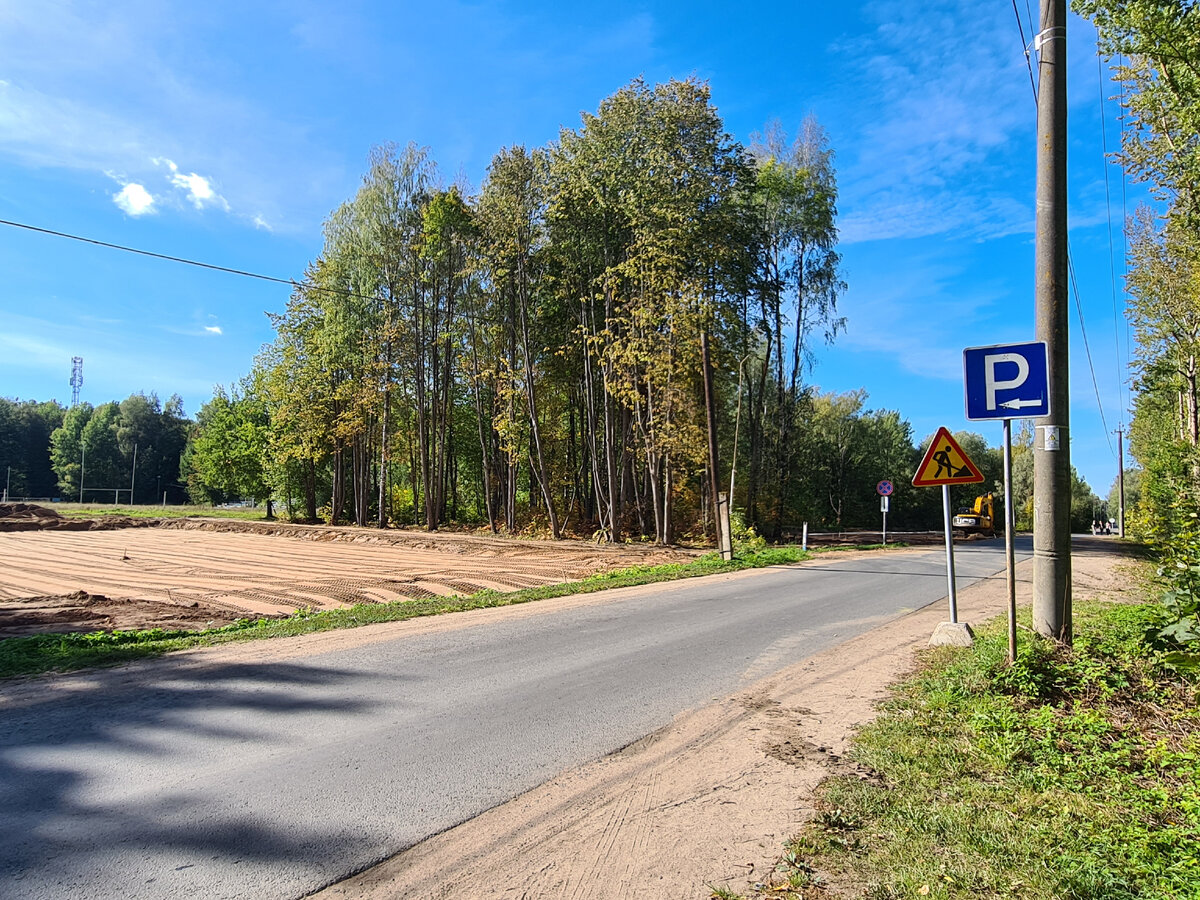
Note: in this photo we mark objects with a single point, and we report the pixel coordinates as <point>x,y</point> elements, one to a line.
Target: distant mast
<point>76,379</point>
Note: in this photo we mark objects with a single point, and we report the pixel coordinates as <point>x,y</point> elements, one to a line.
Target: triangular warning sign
<point>945,463</point>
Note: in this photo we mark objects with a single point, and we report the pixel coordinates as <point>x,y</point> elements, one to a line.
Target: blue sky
<point>226,132</point>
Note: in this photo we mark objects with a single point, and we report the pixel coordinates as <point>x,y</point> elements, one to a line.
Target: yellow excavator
<point>977,519</point>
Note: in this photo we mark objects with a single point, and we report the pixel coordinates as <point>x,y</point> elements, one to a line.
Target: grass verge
<point>34,654</point>
<point>99,510</point>
<point>1074,773</point>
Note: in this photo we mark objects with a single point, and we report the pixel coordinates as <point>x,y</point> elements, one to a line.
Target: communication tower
<point>76,378</point>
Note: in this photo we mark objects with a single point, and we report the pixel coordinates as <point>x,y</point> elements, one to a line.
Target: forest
<point>609,332</point>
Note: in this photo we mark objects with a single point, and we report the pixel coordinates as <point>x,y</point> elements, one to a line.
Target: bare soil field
<point>59,575</point>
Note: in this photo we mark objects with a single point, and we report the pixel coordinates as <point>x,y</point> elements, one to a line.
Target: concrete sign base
<point>955,634</point>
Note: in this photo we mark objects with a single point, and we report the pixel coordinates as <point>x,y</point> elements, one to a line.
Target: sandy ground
<point>65,575</point>
<point>708,800</point>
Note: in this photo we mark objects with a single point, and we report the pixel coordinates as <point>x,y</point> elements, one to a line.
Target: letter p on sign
<point>993,384</point>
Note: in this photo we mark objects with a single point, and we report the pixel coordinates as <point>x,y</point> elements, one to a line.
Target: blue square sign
<point>1007,381</point>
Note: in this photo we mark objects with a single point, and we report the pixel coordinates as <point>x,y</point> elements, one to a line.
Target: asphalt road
<point>270,780</point>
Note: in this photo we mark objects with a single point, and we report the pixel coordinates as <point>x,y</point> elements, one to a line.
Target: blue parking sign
<point>1007,381</point>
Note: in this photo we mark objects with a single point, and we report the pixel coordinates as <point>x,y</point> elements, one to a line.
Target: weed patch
<point>1073,773</point>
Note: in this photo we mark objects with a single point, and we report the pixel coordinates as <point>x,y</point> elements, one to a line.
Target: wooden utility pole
<point>1052,446</point>
<point>1120,482</point>
<point>710,410</point>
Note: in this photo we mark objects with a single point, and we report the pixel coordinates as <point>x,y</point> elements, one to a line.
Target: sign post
<point>885,489</point>
<point>946,463</point>
<point>1008,381</point>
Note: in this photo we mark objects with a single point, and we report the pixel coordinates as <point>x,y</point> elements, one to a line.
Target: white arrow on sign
<point>1019,404</point>
<point>992,384</point>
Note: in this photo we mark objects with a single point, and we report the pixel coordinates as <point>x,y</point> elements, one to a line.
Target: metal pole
<point>1009,552</point>
<point>82,461</point>
<point>950,588</point>
<point>133,475</point>
<point>1051,452</point>
<point>804,539</point>
<point>1120,486</point>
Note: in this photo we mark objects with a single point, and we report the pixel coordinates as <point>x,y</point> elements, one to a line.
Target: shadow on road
<point>61,739</point>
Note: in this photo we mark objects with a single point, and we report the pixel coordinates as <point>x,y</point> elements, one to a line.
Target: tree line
<point>1154,46</point>
<point>128,451</point>
<point>611,331</point>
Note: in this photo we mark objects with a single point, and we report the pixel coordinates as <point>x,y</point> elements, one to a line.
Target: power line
<point>1025,46</point>
<point>290,282</point>
<point>1070,265</point>
<point>1125,242</point>
<point>1112,264</point>
<point>1087,349</point>
<point>176,259</point>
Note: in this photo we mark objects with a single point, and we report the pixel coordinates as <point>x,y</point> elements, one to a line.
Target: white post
<point>804,540</point>
<point>949,555</point>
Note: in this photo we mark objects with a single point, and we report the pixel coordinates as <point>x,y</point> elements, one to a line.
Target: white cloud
<point>134,199</point>
<point>213,329</point>
<point>944,106</point>
<point>197,188</point>
<point>260,222</point>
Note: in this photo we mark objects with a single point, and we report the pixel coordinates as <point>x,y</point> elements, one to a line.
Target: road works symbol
<point>945,463</point>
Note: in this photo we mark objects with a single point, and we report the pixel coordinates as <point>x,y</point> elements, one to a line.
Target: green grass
<point>34,654</point>
<point>93,510</point>
<point>1074,773</point>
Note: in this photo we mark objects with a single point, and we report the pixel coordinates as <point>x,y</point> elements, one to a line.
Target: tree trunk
<point>710,410</point>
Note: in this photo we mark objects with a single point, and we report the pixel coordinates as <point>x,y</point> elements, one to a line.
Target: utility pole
<point>710,414</point>
<point>133,475</point>
<point>1120,483</point>
<point>1052,445</point>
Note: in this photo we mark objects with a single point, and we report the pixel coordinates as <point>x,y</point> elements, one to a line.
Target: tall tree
<point>798,285</point>
<point>1157,43</point>
<point>225,452</point>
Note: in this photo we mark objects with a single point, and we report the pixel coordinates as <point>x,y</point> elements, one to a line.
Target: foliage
<point>1179,577</point>
<point>25,429</point>
<point>582,345</point>
<point>119,449</point>
<point>1073,773</point>
<point>224,455</point>
<point>1157,46</point>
